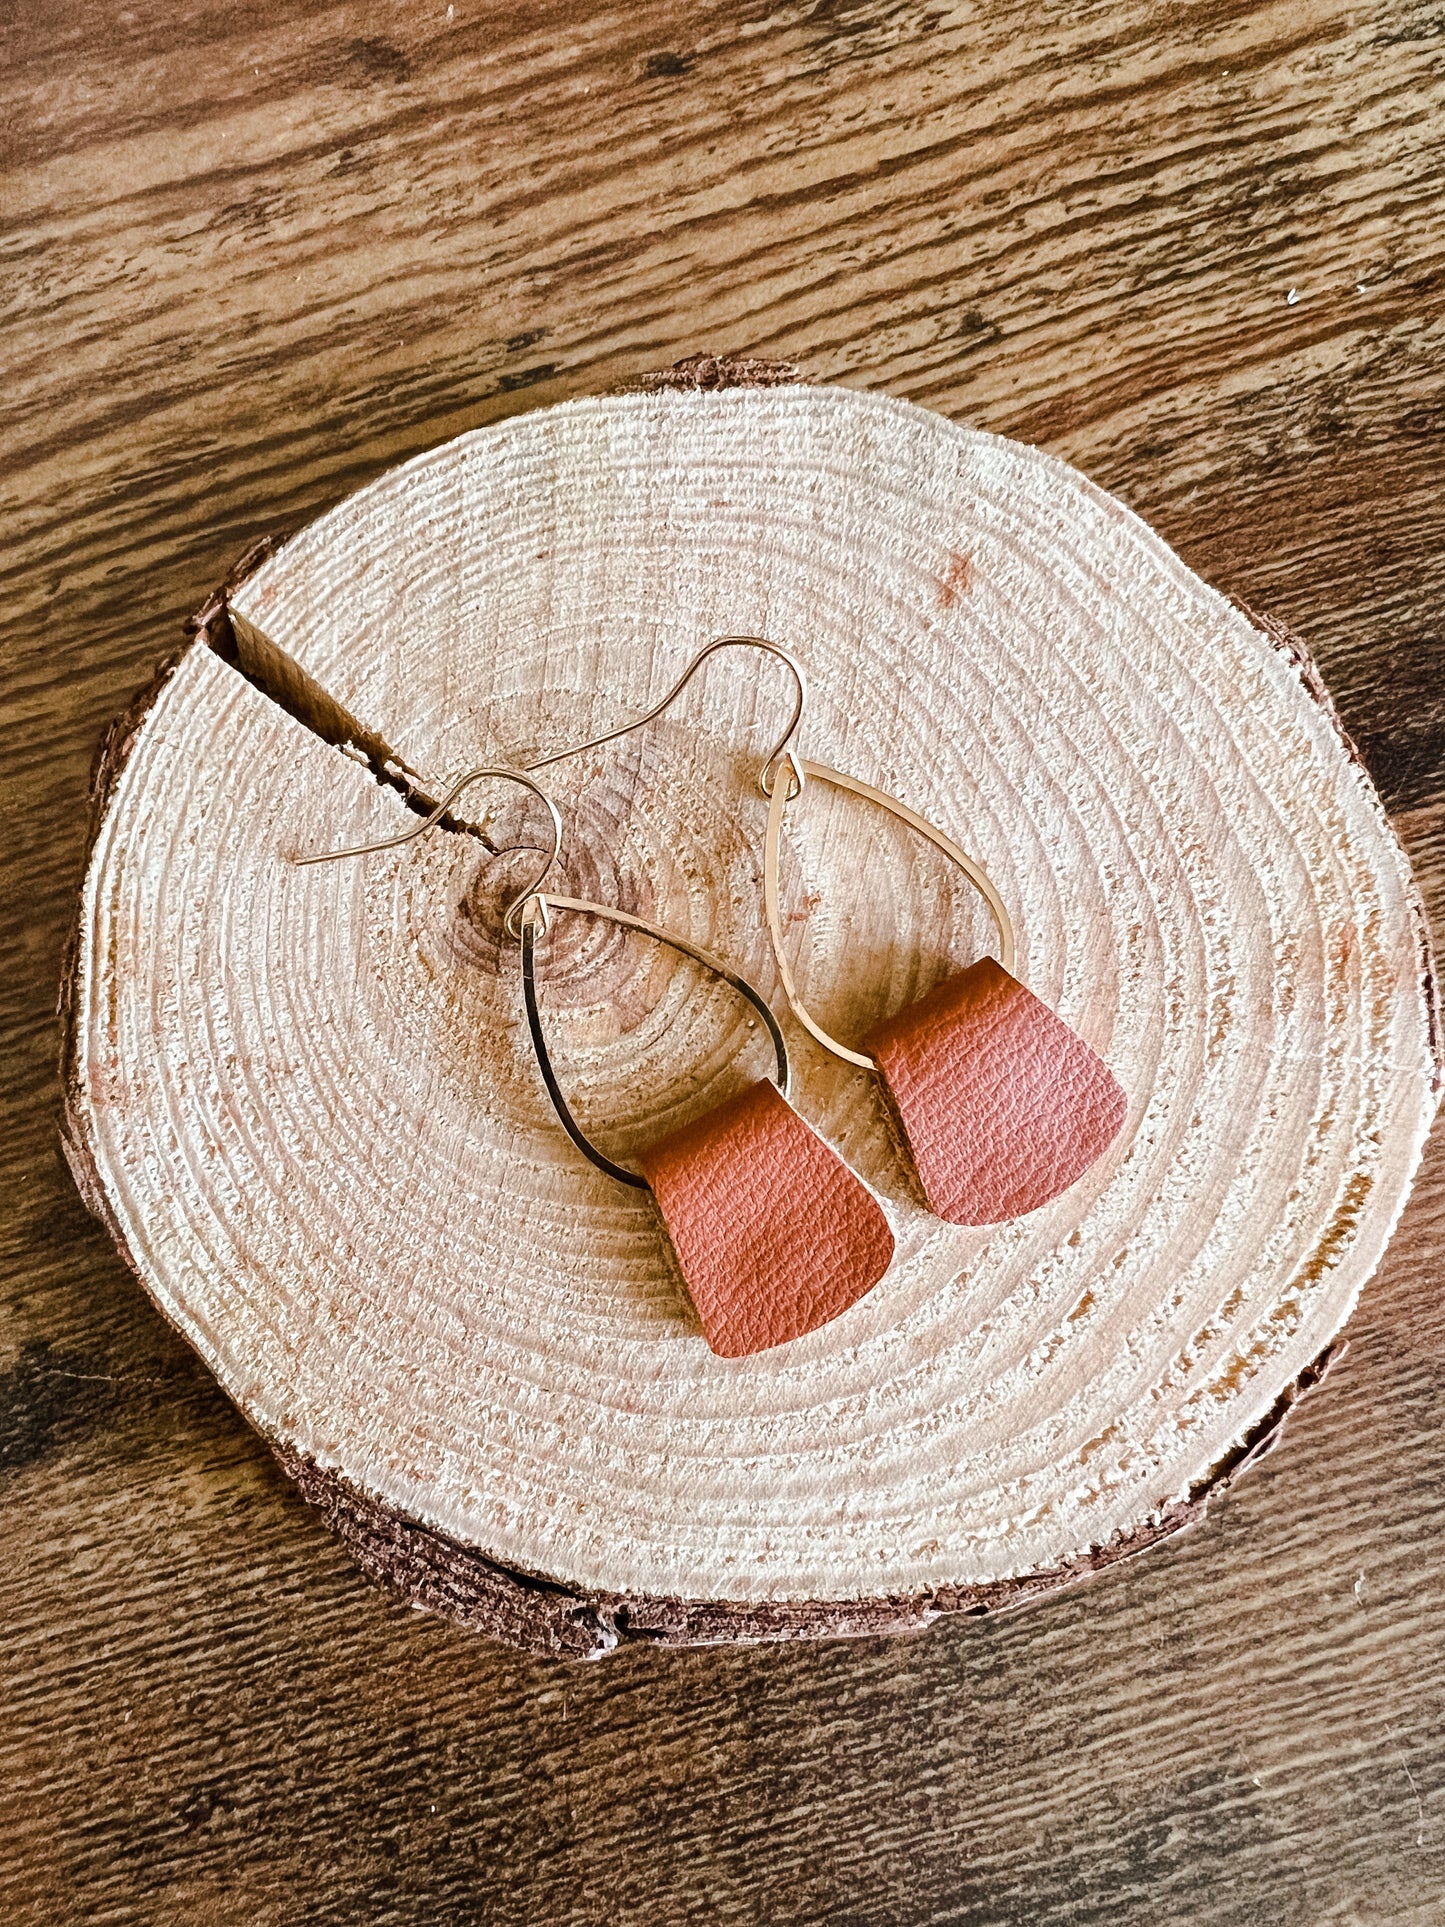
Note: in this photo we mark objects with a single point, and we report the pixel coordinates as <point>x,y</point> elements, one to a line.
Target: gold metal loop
<point>535,917</point>
<point>784,744</point>
<point>796,778</point>
<point>777,808</point>
<point>420,829</point>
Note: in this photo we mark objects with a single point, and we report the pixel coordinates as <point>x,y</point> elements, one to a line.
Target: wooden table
<point>255,256</point>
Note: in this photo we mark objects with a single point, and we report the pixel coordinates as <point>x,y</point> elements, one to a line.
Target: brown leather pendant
<point>774,1234</point>
<point>1003,1106</point>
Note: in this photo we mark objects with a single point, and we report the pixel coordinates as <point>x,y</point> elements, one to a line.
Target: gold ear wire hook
<point>783,746</point>
<point>531,890</point>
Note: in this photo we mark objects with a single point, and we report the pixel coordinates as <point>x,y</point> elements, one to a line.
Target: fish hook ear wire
<point>501,772</point>
<point>783,748</point>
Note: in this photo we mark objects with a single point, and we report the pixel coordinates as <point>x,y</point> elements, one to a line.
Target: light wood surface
<point>255,259</point>
<point>305,1098</point>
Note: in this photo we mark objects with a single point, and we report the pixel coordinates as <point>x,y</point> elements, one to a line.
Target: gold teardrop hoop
<point>536,920</point>
<point>781,795</point>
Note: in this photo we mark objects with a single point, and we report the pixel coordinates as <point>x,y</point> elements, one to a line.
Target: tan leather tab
<point>1003,1106</point>
<point>774,1234</point>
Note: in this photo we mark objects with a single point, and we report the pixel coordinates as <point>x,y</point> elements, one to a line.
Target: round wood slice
<point>304,1100</point>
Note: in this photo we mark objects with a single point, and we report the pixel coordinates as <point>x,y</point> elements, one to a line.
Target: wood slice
<point>304,1100</point>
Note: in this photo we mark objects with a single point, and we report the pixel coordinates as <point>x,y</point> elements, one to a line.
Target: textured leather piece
<point>774,1234</point>
<point>1003,1106</point>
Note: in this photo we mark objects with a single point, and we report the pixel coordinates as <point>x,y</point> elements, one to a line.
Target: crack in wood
<point>282,680</point>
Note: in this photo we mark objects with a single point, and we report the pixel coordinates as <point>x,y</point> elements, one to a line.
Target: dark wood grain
<point>253,256</point>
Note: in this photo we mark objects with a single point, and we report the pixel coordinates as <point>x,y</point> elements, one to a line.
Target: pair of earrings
<point>1001,1105</point>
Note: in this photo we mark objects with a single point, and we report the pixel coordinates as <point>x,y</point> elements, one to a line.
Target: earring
<point>1000,1103</point>
<point>773,1234</point>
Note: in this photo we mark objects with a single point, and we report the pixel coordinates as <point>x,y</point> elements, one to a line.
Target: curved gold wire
<point>777,808</point>
<point>783,746</point>
<point>534,917</point>
<point>420,829</point>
